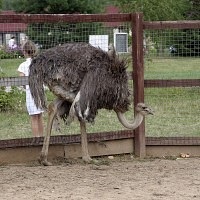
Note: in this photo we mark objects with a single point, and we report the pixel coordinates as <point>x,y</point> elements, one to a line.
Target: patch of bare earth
<point>120,178</point>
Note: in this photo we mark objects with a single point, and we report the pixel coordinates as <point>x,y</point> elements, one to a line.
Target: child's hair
<point>29,48</point>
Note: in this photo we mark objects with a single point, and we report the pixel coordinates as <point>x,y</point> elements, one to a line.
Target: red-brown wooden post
<point>138,78</point>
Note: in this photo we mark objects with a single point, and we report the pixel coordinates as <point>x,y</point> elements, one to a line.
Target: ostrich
<point>84,79</point>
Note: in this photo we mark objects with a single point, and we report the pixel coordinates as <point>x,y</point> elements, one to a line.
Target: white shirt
<point>30,104</point>
<point>12,44</point>
<point>24,68</point>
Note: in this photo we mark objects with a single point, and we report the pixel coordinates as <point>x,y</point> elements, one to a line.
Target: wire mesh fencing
<point>170,54</point>
<point>172,58</point>
<point>15,122</point>
<point>177,43</point>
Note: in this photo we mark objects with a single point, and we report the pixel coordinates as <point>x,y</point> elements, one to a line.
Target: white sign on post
<point>100,41</point>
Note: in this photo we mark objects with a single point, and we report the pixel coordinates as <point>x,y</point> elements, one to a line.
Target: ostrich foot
<point>95,162</point>
<point>43,161</point>
<point>87,159</point>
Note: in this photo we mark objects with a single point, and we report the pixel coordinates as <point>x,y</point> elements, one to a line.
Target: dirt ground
<point>120,178</point>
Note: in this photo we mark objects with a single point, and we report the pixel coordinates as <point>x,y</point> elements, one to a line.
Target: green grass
<point>177,68</point>
<point>174,68</point>
<point>177,110</point>
<point>9,67</point>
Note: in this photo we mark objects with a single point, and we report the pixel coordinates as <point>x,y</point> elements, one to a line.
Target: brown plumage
<point>100,77</point>
<point>84,79</point>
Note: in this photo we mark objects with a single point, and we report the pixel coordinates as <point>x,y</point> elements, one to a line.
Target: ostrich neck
<point>130,124</point>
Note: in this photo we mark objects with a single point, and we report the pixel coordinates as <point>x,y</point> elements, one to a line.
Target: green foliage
<point>6,53</point>
<point>49,34</point>
<point>7,4</point>
<point>58,6</point>
<point>187,43</point>
<point>12,100</point>
<point>156,10</point>
<point>194,11</point>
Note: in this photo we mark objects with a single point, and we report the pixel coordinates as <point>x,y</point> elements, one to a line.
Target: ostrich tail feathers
<point>36,81</point>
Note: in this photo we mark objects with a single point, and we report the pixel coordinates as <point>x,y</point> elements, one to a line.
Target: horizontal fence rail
<point>55,18</point>
<point>100,137</point>
<point>67,139</point>
<point>20,81</point>
<point>172,83</point>
<point>72,18</point>
<point>172,25</point>
<point>14,81</point>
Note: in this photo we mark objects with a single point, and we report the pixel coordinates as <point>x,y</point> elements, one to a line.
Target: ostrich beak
<point>143,109</point>
<point>149,111</point>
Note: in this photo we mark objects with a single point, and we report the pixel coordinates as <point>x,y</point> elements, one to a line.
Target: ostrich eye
<point>144,107</point>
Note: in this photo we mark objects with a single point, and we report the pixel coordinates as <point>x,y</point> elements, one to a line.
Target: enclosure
<point>163,66</point>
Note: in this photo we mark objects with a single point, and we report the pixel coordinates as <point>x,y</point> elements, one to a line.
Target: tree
<point>156,10</point>
<point>57,6</point>
<point>49,34</point>
<point>194,11</point>
<point>1,3</point>
<point>183,42</point>
<point>189,44</point>
<point>7,4</point>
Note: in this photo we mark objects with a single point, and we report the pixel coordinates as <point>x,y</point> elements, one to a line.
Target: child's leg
<point>37,125</point>
<point>34,125</point>
<point>40,125</point>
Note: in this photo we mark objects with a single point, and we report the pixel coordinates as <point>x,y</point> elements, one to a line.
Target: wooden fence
<point>138,26</point>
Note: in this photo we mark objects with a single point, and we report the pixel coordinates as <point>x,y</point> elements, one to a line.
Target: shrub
<point>6,53</point>
<point>12,99</point>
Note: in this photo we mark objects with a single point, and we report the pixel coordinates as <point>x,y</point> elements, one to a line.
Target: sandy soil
<point>122,178</point>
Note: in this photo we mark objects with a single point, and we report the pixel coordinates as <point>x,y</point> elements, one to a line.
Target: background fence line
<point>138,28</point>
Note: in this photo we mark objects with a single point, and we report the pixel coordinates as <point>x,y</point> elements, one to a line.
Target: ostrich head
<point>141,111</point>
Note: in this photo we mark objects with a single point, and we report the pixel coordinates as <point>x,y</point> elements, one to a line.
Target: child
<point>12,43</point>
<point>29,50</point>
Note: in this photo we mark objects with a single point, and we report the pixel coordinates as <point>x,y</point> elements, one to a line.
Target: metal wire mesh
<point>172,43</point>
<point>170,54</point>
<point>173,55</point>
<point>15,121</point>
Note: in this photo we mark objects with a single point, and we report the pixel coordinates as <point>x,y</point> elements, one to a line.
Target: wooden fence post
<point>138,78</point>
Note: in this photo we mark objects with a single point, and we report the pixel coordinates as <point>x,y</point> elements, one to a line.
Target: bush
<point>6,53</point>
<point>11,99</point>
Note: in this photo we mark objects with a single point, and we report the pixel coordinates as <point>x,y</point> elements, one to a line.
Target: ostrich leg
<point>52,112</point>
<point>84,143</point>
